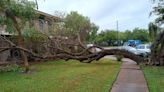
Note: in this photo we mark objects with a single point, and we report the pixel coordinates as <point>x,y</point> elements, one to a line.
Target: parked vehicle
<point>144,47</point>
<point>134,50</point>
<point>132,43</point>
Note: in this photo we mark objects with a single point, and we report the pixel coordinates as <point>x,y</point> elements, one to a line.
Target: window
<point>148,47</point>
<point>141,47</point>
<point>41,25</point>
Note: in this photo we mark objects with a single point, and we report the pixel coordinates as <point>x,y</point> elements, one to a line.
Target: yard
<point>63,76</point>
<point>155,78</point>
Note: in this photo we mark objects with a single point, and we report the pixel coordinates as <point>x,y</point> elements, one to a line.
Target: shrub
<point>10,68</point>
<point>119,58</point>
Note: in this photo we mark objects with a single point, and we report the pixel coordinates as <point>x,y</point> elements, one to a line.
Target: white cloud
<point>105,13</point>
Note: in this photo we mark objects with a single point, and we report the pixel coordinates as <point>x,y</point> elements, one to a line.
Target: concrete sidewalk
<point>130,78</point>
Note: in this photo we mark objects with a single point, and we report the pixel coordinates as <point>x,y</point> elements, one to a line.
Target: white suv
<point>144,48</point>
<point>134,50</point>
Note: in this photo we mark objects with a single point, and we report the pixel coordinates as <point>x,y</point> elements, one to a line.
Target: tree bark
<point>157,50</point>
<point>20,40</point>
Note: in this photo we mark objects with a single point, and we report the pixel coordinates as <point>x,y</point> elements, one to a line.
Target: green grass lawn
<point>155,78</point>
<point>63,76</point>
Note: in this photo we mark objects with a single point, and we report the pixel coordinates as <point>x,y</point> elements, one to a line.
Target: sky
<point>104,13</point>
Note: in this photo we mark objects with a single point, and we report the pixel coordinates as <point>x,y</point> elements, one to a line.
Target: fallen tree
<point>86,55</point>
<point>83,56</point>
<point>60,46</point>
<point>88,58</point>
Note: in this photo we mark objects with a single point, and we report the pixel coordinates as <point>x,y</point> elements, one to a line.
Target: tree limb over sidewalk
<point>82,56</point>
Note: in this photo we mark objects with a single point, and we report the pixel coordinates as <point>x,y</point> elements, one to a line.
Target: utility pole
<point>117,34</point>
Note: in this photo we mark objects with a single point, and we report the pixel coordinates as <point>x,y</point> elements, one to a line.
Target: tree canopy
<point>159,11</point>
<point>93,33</point>
<point>22,9</point>
<point>112,36</point>
<point>76,23</point>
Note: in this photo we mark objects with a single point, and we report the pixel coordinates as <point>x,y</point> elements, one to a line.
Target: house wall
<point>42,25</point>
<point>45,27</point>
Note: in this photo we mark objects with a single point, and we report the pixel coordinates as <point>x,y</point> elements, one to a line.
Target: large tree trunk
<point>157,50</point>
<point>23,54</point>
<point>20,40</point>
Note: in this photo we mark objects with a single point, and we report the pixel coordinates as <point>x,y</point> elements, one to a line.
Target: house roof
<point>49,15</point>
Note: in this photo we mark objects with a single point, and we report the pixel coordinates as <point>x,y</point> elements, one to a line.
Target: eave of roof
<point>49,15</point>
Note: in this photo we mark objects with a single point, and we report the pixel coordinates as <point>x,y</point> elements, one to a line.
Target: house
<point>44,23</point>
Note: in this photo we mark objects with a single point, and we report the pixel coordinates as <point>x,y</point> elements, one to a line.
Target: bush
<point>119,58</point>
<point>10,68</point>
